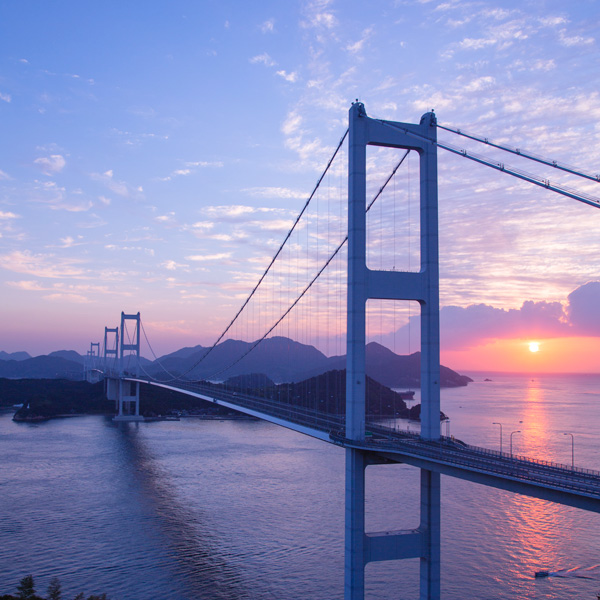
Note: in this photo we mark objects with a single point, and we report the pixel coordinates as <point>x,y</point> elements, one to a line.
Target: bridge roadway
<point>575,487</point>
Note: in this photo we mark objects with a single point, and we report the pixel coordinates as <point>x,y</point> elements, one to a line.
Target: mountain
<point>278,359</point>
<point>281,359</point>
<point>183,353</point>
<point>68,355</point>
<point>284,360</point>
<point>41,367</point>
<point>14,355</point>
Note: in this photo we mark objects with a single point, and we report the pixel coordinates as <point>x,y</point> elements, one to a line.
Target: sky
<point>154,155</point>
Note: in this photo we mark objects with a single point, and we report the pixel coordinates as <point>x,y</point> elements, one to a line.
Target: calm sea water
<point>246,510</point>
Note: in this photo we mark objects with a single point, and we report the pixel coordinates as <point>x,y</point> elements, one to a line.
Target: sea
<point>240,509</point>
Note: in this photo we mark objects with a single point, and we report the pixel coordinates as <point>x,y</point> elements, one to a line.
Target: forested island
<point>42,399</point>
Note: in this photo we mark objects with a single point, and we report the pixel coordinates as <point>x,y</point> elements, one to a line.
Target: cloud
<point>209,257</point>
<point>574,40</point>
<point>583,309</point>
<point>52,164</point>
<point>291,77</point>
<point>357,46</point>
<point>234,211</point>
<point>29,286</point>
<point>41,265</point>
<point>5,97</point>
<point>478,324</point>
<point>70,242</point>
<point>66,289</point>
<point>118,187</point>
<point>318,15</point>
<point>263,58</point>
<point>205,163</point>
<point>172,265</point>
<point>268,26</point>
<point>73,298</point>
<point>8,215</point>
<point>4,176</point>
<point>473,325</point>
<point>191,167</point>
<point>291,124</point>
<point>274,192</point>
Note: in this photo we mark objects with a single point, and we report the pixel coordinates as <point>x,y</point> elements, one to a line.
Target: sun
<point>534,347</point>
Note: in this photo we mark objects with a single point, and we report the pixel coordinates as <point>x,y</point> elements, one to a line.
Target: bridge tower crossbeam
<point>422,287</point>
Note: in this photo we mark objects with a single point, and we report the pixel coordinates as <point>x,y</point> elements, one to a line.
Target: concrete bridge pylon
<point>423,542</point>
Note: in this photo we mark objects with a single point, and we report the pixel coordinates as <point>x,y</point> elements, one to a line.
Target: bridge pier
<point>422,287</point>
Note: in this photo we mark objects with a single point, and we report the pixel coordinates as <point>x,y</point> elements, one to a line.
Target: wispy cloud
<point>41,265</point>
<point>209,257</point>
<point>191,167</point>
<point>274,192</point>
<point>172,265</point>
<point>117,187</point>
<point>574,40</point>
<point>358,46</point>
<point>52,164</point>
<point>5,97</point>
<point>264,59</point>
<point>319,15</point>
<point>268,26</point>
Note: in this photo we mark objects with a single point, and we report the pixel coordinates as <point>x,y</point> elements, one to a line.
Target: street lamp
<point>511,434</point>
<point>572,449</point>
<point>500,435</point>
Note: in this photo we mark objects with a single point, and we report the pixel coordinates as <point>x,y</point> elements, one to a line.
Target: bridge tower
<point>111,359</point>
<point>92,371</point>
<point>422,287</point>
<point>128,397</point>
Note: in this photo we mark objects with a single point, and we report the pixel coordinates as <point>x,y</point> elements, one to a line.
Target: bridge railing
<point>446,442</point>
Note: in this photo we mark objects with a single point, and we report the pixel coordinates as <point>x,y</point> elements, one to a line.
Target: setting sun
<point>534,346</point>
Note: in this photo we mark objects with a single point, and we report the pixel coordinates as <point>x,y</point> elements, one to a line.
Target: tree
<point>54,591</point>
<point>26,588</point>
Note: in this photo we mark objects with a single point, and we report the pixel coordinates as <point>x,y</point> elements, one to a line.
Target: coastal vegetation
<point>42,399</point>
<point>26,591</point>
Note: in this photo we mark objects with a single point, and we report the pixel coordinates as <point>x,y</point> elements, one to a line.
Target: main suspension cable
<point>539,181</point>
<point>526,154</point>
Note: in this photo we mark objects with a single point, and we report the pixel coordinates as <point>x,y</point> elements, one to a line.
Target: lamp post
<point>572,449</point>
<point>511,434</point>
<point>500,435</point>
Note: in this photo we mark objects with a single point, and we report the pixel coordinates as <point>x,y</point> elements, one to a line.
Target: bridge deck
<point>533,477</point>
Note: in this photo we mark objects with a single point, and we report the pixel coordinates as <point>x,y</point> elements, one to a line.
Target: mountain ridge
<point>281,359</point>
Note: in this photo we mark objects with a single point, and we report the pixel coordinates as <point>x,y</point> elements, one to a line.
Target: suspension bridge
<point>360,256</point>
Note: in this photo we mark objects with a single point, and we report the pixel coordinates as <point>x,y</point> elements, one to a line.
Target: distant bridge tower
<point>111,366</point>
<point>91,366</point>
<point>129,391</point>
<point>422,287</point>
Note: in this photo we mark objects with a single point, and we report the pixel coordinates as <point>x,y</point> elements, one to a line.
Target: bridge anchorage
<point>428,451</point>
